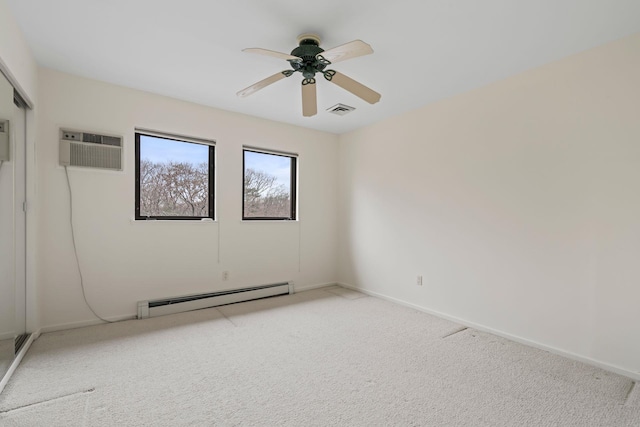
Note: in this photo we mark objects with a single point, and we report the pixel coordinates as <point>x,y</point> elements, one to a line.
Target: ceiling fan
<point>309,58</point>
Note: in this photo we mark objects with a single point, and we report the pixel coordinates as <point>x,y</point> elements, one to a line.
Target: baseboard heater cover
<point>161,307</point>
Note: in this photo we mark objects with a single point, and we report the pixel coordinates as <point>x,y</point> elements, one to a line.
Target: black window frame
<point>176,138</point>
<point>293,185</point>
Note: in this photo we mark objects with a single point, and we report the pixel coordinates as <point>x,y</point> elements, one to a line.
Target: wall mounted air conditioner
<point>4,140</point>
<point>90,150</point>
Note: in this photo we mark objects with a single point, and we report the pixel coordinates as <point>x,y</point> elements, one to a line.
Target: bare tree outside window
<point>174,179</point>
<point>269,186</point>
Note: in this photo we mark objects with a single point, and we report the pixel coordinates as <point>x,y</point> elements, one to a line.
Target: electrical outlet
<point>419,281</point>
<point>225,275</point>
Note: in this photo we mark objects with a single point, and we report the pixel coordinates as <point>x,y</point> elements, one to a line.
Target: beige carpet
<point>318,358</point>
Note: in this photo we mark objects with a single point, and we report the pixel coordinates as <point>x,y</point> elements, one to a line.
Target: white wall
<point>518,202</point>
<point>125,261</point>
<point>15,56</point>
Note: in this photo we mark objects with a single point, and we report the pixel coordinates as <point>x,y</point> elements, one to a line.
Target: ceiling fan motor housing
<point>307,51</point>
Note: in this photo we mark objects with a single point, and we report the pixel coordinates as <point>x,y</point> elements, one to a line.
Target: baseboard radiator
<point>160,307</point>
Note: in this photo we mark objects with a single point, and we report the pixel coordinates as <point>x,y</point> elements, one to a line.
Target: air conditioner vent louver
<point>340,109</point>
<point>92,137</point>
<point>112,140</point>
<point>90,150</point>
<point>95,156</point>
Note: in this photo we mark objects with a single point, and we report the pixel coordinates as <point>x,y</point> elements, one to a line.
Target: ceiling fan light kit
<point>309,59</point>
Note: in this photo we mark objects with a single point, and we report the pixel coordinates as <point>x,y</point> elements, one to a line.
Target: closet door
<point>12,225</point>
<point>7,240</point>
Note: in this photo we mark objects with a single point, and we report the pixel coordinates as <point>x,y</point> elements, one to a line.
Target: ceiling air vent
<point>340,109</point>
<point>90,150</point>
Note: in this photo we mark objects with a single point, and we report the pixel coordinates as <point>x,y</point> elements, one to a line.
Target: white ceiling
<point>424,50</point>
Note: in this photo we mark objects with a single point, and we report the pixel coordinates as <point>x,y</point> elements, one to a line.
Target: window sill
<point>270,221</point>
<point>174,221</point>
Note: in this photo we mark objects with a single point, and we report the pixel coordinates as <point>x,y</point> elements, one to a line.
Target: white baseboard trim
<point>18,359</point>
<point>83,323</point>
<point>521,340</point>
<point>297,288</point>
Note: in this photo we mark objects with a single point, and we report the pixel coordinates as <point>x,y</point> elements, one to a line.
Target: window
<point>269,185</point>
<point>174,177</point>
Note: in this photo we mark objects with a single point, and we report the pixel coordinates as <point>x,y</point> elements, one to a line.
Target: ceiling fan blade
<point>264,83</point>
<point>346,51</point>
<point>273,53</point>
<point>309,102</point>
<point>347,83</point>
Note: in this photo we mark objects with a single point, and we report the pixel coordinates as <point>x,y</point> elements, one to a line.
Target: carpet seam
<point>85,412</point>
<point>91,390</point>
<point>626,398</point>
<point>462,329</point>
<point>225,316</point>
<point>342,296</point>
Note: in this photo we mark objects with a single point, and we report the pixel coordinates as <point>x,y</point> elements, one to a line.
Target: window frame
<point>293,184</point>
<point>211,183</point>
